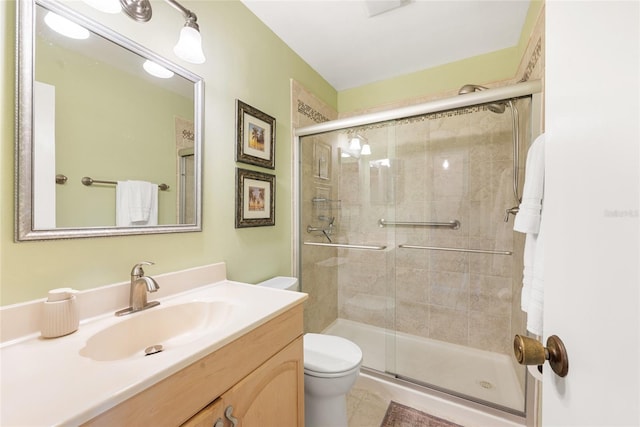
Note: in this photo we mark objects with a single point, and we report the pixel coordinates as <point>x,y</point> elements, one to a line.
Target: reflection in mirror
<point>101,114</point>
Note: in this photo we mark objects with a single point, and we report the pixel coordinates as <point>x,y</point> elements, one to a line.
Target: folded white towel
<point>529,220</point>
<point>136,203</point>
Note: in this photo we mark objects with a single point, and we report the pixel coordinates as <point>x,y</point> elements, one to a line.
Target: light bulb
<point>65,27</point>
<point>189,46</point>
<point>157,70</point>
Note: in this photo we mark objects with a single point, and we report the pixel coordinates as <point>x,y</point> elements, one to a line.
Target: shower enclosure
<point>406,246</point>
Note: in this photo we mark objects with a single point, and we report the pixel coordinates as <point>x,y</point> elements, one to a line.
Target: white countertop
<point>48,382</point>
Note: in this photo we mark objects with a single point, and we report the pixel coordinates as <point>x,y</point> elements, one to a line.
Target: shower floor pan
<point>478,374</point>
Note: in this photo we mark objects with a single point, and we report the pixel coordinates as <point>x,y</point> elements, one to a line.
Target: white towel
<point>136,203</point>
<point>536,294</point>
<point>529,220</point>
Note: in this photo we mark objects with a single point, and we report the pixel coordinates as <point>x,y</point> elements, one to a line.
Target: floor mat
<point>403,416</point>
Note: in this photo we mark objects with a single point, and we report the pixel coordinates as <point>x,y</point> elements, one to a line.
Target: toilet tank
<point>281,282</point>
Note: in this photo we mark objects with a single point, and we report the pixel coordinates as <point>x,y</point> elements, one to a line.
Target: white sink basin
<point>108,352</point>
<point>169,327</point>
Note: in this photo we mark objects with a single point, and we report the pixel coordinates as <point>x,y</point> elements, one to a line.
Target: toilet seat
<point>330,356</point>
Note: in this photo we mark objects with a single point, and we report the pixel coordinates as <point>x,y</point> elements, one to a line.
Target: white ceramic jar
<point>60,315</point>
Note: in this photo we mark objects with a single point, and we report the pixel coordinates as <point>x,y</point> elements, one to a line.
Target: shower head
<point>470,89</point>
<point>496,107</point>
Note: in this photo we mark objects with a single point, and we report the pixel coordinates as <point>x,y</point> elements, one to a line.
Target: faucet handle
<point>137,269</point>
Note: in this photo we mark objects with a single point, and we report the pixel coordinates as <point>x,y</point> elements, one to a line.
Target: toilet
<point>331,367</point>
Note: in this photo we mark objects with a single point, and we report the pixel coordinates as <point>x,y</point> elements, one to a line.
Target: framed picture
<point>256,136</point>
<point>255,198</point>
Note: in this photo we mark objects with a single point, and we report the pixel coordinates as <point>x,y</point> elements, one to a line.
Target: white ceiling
<point>349,48</point>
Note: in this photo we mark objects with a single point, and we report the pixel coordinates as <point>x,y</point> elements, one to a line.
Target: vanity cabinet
<point>260,375</point>
<point>266,397</point>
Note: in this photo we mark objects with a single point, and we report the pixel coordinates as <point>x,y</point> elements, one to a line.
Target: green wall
<point>491,67</point>
<point>245,60</point>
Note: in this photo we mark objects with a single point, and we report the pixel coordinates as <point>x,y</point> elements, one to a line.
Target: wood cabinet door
<point>273,394</point>
<point>209,416</point>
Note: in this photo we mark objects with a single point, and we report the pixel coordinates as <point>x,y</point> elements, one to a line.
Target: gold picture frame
<point>255,198</point>
<point>255,136</point>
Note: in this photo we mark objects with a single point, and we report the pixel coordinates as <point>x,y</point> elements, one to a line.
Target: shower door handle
<point>529,351</point>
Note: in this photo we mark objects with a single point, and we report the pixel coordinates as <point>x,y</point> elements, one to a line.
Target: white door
<point>592,122</point>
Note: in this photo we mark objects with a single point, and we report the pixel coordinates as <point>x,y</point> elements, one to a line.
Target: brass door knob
<point>529,351</point>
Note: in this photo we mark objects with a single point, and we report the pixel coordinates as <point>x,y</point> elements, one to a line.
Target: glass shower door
<point>457,262</point>
<point>347,257</point>
<point>405,250</point>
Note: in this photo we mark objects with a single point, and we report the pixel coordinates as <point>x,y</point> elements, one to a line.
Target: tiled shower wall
<point>442,167</point>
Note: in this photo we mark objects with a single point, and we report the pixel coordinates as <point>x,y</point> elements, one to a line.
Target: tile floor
<point>365,408</point>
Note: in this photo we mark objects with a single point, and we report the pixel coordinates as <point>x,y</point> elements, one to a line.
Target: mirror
<point>103,147</point>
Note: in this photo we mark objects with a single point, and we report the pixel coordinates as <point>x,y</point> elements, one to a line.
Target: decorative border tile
<point>310,112</point>
<point>422,118</point>
<point>533,61</point>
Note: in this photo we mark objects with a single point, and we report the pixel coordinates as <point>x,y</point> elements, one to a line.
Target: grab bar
<point>347,246</point>
<point>474,251</point>
<point>455,224</point>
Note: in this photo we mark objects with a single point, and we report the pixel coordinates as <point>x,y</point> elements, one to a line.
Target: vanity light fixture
<point>157,70</point>
<point>65,27</point>
<point>360,144</point>
<point>189,46</point>
<point>138,10</point>
<point>354,145</point>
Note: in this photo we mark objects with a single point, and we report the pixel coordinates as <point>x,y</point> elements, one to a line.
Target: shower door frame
<point>530,88</point>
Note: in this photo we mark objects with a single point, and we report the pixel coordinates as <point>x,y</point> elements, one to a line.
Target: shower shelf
<point>455,224</point>
<point>474,251</point>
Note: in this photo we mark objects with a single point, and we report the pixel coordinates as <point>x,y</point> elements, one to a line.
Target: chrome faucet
<point>140,285</point>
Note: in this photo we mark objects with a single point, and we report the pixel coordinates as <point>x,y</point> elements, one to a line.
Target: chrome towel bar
<point>347,246</point>
<point>89,181</point>
<point>455,224</point>
<point>474,251</point>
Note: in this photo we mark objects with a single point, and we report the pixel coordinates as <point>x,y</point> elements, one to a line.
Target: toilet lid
<point>328,353</point>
